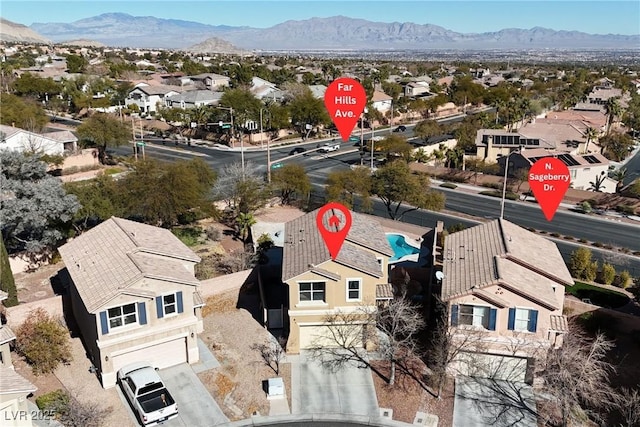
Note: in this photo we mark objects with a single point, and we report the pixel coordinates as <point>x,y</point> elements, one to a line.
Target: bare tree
<point>627,402</point>
<point>400,322</point>
<point>272,352</point>
<point>576,377</point>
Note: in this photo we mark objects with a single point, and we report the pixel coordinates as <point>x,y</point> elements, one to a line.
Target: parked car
<point>297,150</point>
<point>400,128</point>
<point>326,148</point>
<point>277,165</point>
<point>146,393</point>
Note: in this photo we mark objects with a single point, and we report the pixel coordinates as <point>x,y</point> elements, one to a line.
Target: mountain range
<point>334,33</point>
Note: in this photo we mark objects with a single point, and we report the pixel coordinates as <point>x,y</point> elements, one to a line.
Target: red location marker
<point>334,222</point>
<point>345,100</point>
<point>549,179</point>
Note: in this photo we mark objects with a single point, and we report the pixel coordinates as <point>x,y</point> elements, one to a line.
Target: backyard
<point>599,296</point>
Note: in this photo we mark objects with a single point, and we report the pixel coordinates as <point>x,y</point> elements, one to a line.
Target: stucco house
<point>509,284</point>
<point>319,286</point>
<point>134,296</point>
<point>211,81</point>
<point>193,99</point>
<point>381,101</point>
<point>14,388</point>
<point>55,143</point>
<point>149,97</point>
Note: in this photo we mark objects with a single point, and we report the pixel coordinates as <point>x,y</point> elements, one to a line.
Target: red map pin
<point>549,180</point>
<point>345,100</point>
<point>334,222</point>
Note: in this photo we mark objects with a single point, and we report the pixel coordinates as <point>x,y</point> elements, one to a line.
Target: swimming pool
<point>401,248</point>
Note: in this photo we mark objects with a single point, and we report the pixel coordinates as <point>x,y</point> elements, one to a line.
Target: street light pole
<point>261,131</point>
<point>373,142</point>
<point>391,121</point>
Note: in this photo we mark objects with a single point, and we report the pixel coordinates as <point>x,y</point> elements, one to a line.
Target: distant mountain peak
<point>14,32</point>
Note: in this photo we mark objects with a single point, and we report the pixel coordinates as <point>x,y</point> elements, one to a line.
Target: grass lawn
<point>603,297</point>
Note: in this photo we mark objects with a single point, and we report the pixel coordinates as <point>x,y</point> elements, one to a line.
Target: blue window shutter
<point>179,301</point>
<point>512,319</point>
<point>492,319</point>
<point>454,315</point>
<point>533,320</point>
<point>159,308</point>
<point>104,323</point>
<point>142,312</point>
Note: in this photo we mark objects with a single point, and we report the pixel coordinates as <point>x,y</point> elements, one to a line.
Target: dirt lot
<point>407,396</point>
<point>231,333</point>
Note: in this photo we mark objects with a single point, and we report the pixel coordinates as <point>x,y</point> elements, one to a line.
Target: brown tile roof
<point>304,248</point>
<point>558,323</point>
<point>384,291</point>
<point>596,119</point>
<point>115,256</point>
<point>6,334</point>
<point>13,382</point>
<point>380,96</point>
<point>502,253</point>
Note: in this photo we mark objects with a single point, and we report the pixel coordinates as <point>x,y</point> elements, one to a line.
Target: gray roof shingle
<point>6,334</point>
<point>13,382</point>
<point>500,252</point>
<point>113,257</point>
<point>304,248</point>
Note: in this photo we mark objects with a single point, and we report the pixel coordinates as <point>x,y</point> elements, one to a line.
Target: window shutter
<point>159,308</point>
<point>179,301</point>
<point>492,319</point>
<point>454,315</point>
<point>142,312</point>
<point>103,323</point>
<point>512,319</point>
<point>533,320</point>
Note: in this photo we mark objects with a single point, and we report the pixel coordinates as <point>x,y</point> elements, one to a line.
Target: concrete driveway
<point>316,390</point>
<point>196,407</point>
<point>484,402</point>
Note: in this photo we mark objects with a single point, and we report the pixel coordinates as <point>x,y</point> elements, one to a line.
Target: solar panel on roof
<point>592,159</point>
<point>568,160</point>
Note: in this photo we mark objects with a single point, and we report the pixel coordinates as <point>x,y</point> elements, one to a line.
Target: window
<point>380,263</point>
<point>312,291</point>
<point>474,315</point>
<point>122,316</point>
<point>523,319</point>
<point>354,289</point>
<point>169,304</point>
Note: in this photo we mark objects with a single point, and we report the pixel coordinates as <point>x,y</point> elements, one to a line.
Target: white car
<point>327,148</point>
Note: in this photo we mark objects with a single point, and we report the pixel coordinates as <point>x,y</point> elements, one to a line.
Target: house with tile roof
<point>193,99</point>
<point>134,296</point>
<point>319,286</point>
<point>381,101</point>
<point>509,284</point>
<point>149,97</point>
<point>54,143</point>
<point>14,388</point>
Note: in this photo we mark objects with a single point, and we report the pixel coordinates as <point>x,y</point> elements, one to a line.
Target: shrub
<point>43,341</point>
<point>213,233</point>
<point>554,234</point>
<point>448,185</point>
<point>583,240</point>
<point>598,244</point>
<point>7,283</point>
<point>582,266</point>
<point>188,235</point>
<point>607,274</point>
<point>70,411</point>
<point>493,185</point>
<point>569,238</point>
<point>455,227</point>
<point>625,209</point>
<point>624,279</point>
<point>495,193</point>
<point>56,401</point>
<point>585,207</point>
<point>531,229</point>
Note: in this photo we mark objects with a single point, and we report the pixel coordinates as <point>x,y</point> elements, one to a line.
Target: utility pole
<point>361,140</point>
<point>133,134</point>
<point>373,142</point>
<point>391,121</point>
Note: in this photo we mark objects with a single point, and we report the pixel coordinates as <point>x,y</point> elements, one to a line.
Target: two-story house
<point>319,286</point>
<point>149,97</point>
<point>134,296</point>
<point>507,283</point>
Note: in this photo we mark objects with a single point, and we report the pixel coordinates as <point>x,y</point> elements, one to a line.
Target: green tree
<point>427,128</point>
<point>290,181</point>
<point>100,199</point>
<point>616,145</point>
<point>35,211</point>
<point>76,63</point>
<point>245,106</point>
<point>591,134</point>
<point>396,185</point>
<point>244,221</point>
<point>624,279</point>
<point>619,175</point>
<point>607,274</point>
<point>102,131</point>
<point>394,146</point>
<point>162,194</point>
<point>33,86</point>
<point>7,283</point>
<point>307,109</point>
<point>22,113</point>
<point>582,266</point>
<point>613,110</point>
<point>634,188</point>
<point>346,186</point>
<point>43,341</point>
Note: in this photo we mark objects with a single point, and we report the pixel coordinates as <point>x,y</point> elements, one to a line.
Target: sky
<point>597,17</point>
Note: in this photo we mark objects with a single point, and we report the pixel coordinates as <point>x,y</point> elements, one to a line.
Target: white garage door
<point>160,356</point>
<point>494,366</point>
<point>314,336</point>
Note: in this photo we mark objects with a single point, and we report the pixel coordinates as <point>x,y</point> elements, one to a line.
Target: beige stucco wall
<point>14,411</point>
<point>501,340</point>
<point>86,157</point>
<point>5,355</point>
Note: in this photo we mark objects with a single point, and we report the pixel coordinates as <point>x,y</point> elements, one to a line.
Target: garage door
<point>494,366</point>
<point>314,336</point>
<point>161,355</point>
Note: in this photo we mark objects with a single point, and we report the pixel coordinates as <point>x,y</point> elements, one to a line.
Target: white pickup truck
<point>327,148</point>
<point>147,394</point>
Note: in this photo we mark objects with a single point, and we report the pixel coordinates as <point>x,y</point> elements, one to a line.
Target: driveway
<point>316,390</point>
<point>484,402</point>
<point>196,407</point>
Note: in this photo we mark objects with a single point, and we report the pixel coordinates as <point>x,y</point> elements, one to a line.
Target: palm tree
<point>591,134</point>
<point>619,175</point>
<point>597,184</point>
<point>244,221</point>
<point>613,109</point>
